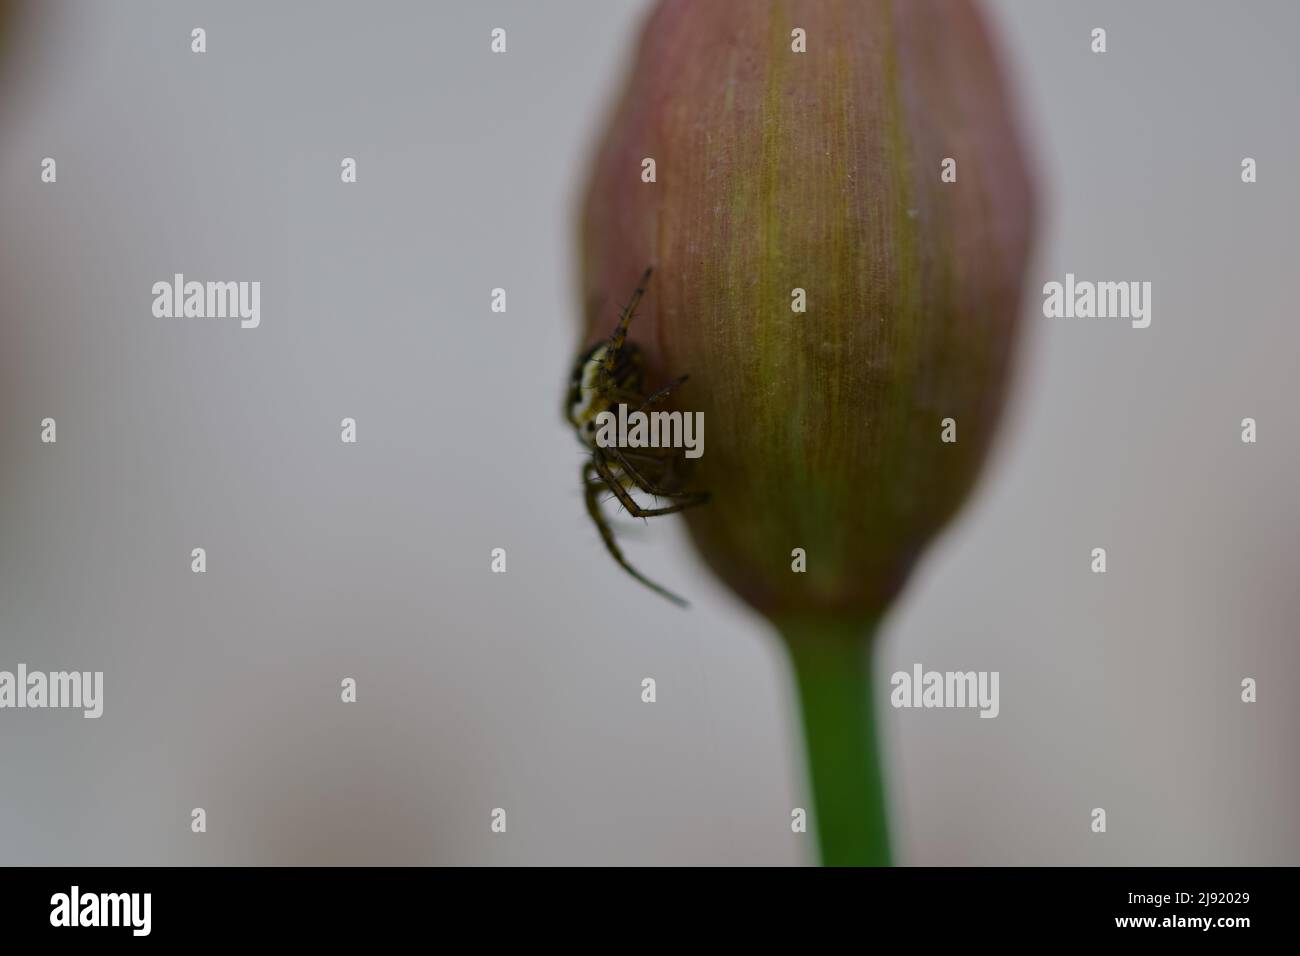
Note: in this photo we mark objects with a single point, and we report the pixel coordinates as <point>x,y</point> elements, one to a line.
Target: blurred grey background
<point>522,690</point>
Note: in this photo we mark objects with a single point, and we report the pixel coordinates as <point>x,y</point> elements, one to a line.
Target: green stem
<point>832,665</point>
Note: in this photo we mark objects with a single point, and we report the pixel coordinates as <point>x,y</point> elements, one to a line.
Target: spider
<point>608,374</point>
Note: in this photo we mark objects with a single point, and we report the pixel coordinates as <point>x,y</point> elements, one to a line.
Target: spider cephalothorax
<point>610,374</point>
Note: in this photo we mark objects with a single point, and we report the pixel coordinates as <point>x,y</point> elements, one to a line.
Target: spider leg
<point>688,498</point>
<point>619,335</point>
<point>660,395</point>
<point>607,535</point>
<point>695,498</point>
<point>627,501</point>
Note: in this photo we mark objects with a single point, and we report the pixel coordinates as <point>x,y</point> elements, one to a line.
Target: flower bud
<point>838,213</point>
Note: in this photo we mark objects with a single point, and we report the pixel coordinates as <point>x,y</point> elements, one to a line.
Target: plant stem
<point>832,665</point>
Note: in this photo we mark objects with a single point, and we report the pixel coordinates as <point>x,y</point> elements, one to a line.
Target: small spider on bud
<point>608,375</point>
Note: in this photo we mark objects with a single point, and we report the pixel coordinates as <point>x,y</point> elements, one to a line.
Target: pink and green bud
<point>858,161</point>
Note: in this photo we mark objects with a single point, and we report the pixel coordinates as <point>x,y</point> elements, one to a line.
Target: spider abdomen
<point>591,393</point>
